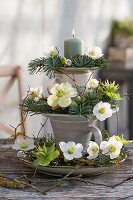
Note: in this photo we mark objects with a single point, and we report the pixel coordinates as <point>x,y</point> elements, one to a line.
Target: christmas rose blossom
<point>94,52</point>
<point>111,147</point>
<point>71,150</point>
<point>61,95</point>
<point>23,144</point>
<point>93,83</point>
<point>35,93</point>
<point>92,150</point>
<point>102,110</point>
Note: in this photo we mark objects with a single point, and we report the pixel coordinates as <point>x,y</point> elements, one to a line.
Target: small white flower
<point>61,95</point>
<point>21,154</point>
<point>94,52</point>
<point>93,83</point>
<point>36,99</point>
<point>116,109</point>
<point>68,62</point>
<point>92,150</point>
<point>111,147</point>
<point>71,150</point>
<point>102,111</point>
<point>23,144</point>
<point>36,93</point>
<point>51,52</point>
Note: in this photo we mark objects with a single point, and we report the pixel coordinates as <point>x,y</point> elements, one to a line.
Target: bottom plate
<point>64,170</point>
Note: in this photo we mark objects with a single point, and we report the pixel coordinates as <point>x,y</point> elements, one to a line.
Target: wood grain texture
<point>11,166</point>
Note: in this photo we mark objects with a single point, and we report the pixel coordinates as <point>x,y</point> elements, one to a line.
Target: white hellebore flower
<point>93,83</point>
<point>23,144</point>
<point>61,95</point>
<point>102,111</point>
<point>92,150</point>
<point>51,52</point>
<point>71,150</point>
<point>111,147</point>
<point>94,52</point>
<point>68,62</point>
<point>36,93</point>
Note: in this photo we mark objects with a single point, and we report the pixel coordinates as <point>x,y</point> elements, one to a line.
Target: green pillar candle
<point>73,46</point>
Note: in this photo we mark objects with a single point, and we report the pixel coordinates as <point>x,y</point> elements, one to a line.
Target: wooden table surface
<point>11,166</point>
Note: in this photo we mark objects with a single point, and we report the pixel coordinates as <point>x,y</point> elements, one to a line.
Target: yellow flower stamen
<point>32,95</point>
<point>93,83</point>
<point>51,53</point>
<point>94,149</point>
<point>23,144</point>
<point>102,110</point>
<point>111,148</point>
<point>92,53</point>
<point>71,150</point>
<point>59,93</point>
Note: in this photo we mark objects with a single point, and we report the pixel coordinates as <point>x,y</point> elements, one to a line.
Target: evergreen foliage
<point>47,65</point>
<point>54,64</point>
<point>84,61</point>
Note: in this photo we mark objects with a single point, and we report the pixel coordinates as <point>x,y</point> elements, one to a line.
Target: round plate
<point>70,70</point>
<point>65,117</point>
<point>64,170</point>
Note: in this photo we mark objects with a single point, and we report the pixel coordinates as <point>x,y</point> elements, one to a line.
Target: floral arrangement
<point>43,151</point>
<point>52,62</point>
<point>98,98</point>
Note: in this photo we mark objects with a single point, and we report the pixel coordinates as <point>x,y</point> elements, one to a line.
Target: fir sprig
<point>47,65</point>
<point>40,107</point>
<point>52,64</point>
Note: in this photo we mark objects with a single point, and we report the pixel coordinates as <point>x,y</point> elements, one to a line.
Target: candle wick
<point>73,33</point>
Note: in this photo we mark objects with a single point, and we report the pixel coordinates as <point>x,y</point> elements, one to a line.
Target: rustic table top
<point>11,166</point>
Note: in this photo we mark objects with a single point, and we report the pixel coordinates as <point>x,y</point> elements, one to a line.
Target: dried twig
<point>79,178</point>
<point>42,125</point>
<point>88,81</point>
<point>123,181</point>
<point>58,184</point>
<point>24,177</point>
<point>16,180</point>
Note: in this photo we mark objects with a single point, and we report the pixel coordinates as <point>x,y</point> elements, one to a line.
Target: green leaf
<point>114,96</point>
<point>84,61</point>
<point>45,155</point>
<point>35,162</point>
<point>55,154</point>
<point>50,149</point>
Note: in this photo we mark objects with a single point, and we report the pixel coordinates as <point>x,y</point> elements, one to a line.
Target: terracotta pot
<point>74,128</point>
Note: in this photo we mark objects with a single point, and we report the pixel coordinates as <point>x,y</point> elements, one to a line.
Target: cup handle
<point>97,134</point>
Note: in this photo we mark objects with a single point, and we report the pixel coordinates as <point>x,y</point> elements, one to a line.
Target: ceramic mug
<point>75,128</point>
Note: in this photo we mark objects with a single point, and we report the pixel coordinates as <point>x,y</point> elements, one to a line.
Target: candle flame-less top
<point>73,33</point>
